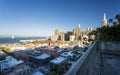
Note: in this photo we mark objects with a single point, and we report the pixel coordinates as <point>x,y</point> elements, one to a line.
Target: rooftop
<point>58,60</point>
<point>18,69</point>
<point>43,56</point>
<point>9,62</point>
<point>49,48</point>
<point>66,54</point>
<point>38,73</point>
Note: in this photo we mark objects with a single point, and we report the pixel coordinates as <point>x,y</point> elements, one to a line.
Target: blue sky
<point>42,17</point>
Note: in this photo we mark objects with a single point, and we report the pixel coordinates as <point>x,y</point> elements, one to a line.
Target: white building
<point>9,62</point>
<point>54,38</point>
<point>72,37</point>
<point>43,56</point>
<point>58,60</point>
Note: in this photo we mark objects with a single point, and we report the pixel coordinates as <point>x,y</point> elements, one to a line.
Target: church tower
<point>104,23</point>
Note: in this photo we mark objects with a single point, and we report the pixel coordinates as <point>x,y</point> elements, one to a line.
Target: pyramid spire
<point>104,23</point>
<point>104,16</point>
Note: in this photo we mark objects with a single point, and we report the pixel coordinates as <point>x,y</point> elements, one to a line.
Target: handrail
<point>78,65</point>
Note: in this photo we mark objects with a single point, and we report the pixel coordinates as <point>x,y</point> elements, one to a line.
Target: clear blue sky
<point>41,17</point>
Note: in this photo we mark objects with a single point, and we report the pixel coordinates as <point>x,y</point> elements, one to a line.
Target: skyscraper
<point>67,35</point>
<point>57,32</point>
<point>55,37</point>
<point>77,32</point>
<point>62,36</point>
<point>104,23</point>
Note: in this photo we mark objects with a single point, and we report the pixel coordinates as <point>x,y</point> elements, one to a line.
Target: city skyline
<point>41,18</point>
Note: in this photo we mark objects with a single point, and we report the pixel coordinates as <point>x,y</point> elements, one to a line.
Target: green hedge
<point>109,33</point>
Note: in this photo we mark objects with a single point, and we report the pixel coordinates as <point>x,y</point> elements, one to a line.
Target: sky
<point>42,17</point>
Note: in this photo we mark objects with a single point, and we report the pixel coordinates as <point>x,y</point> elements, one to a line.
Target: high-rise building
<point>57,32</point>
<point>89,29</point>
<point>77,32</point>
<point>104,23</point>
<point>67,35</point>
<point>54,37</point>
<point>62,36</point>
<point>71,38</point>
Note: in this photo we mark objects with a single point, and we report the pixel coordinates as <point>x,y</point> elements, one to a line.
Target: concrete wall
<point>110,58</point>
<point>88,64</point>
<point>109,46</point>
<point>96,60</point>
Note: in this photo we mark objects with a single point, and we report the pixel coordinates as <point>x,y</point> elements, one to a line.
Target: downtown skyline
<point>41,18</point>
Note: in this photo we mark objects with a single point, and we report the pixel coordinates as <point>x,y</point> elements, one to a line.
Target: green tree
<point>110,21</point>
<point>118,17</point>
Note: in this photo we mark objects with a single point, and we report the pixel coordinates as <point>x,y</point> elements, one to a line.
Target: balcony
<point>101,58</point>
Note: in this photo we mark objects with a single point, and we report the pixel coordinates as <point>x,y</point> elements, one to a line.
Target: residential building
<point>58,63</point>
<point>41,59</point>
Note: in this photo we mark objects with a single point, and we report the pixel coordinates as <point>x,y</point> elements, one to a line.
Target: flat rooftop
<point>58,60</point>
<point>9,62</point>
<point>42,56</point>
<point>37,73</point>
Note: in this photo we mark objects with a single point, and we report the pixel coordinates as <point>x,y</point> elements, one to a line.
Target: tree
<point>118,17</point>
<point>110,21</point>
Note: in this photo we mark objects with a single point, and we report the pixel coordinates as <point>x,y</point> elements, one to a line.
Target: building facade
<point>77,32</point>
